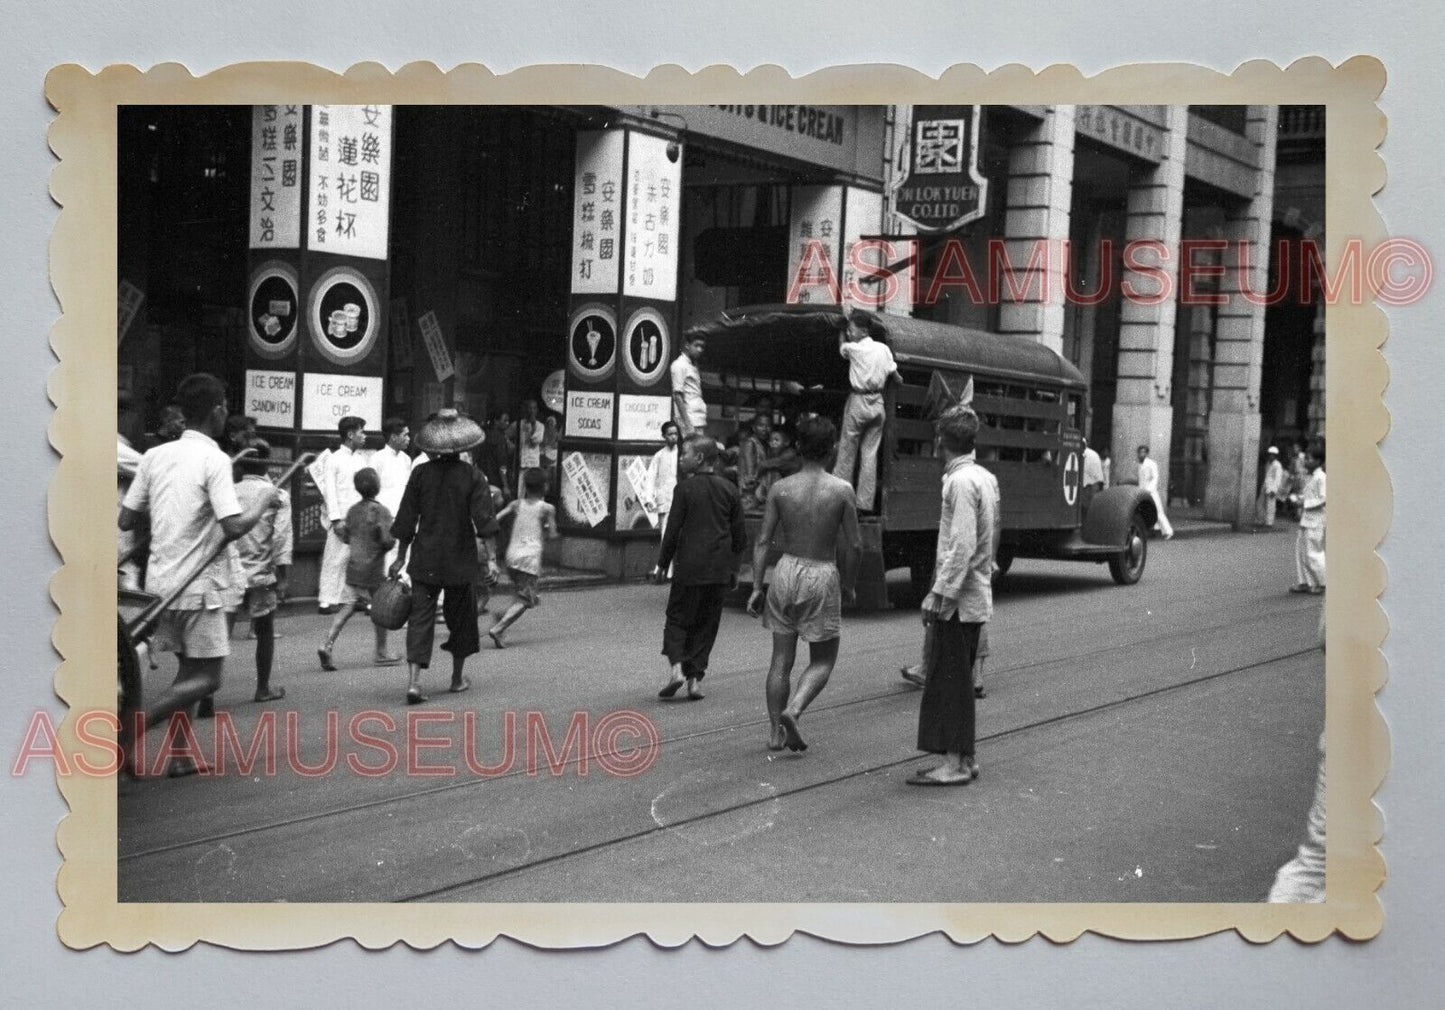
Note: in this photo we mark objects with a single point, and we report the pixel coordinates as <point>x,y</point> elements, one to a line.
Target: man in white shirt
<point>1272,488</point>
<point>185,488</point>
<point>393,469</point>
<point>1309,555</point>
<point>1149,482</point>
<point>689,409</point>
<point>339,494</point>
<point>531,433</point>
<point>1092,480</point>
<point>870,368</point>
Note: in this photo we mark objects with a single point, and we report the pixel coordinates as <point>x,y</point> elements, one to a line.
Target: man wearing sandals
<point>959,604</point>
<point>447,505</point>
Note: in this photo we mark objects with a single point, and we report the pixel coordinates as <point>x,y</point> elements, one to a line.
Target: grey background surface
<point>1397,969</point>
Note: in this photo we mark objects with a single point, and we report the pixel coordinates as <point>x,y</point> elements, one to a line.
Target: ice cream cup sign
<point>336,323</point>
<point>352,312</point>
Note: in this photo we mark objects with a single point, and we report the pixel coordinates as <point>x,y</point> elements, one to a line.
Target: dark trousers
<point>693,616</point>
<point>459,607</point>
<point>946,714</point>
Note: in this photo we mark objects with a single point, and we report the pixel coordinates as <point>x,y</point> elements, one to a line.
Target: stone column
<point>1317,375</point>
<point>1239,338</point>
<point>1154,213</point>
<point>1036,217</point>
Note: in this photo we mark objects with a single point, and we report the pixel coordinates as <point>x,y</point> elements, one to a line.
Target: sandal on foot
<point>415,698</point>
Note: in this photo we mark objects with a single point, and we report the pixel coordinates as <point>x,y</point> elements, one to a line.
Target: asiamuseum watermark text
<point>371,743</point>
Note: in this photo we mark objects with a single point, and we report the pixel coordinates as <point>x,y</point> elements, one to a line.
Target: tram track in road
<point>321,816</point>
<point>514,871</point>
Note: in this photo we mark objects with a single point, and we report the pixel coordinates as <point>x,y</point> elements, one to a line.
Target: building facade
<point>388,261</point>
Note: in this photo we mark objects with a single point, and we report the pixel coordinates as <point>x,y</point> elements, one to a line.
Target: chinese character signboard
<point>275,176</point>
<point>654,195</point>
<point>1124,128</point>
<point>815,237</point>
<point>937,186</point>
<point>597,213</point>
<point>350,180</point>
<point>585,486</point>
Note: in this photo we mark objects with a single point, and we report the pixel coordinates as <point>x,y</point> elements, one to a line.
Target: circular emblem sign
<point>592,341</point>
<point>554,391</point>
<point>273,310</point>
<point>648,346</point>
<point>1071,478</point>
<point>341,313</point>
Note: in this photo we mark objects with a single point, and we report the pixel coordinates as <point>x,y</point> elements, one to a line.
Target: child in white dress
<point>533,522</point>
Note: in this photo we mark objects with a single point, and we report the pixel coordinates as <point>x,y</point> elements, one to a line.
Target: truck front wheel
<point>1127,567</point>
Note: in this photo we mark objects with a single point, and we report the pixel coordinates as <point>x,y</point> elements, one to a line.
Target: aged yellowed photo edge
<point>82,518</point>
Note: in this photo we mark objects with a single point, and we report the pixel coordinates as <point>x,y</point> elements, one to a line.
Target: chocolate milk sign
<point>936,182</point>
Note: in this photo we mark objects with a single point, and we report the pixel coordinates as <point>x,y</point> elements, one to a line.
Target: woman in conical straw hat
<point>446,506</point>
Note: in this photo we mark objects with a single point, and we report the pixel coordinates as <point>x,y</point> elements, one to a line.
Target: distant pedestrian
<point>265,553</point>
<point>1149,483</point>
<point>393,466</point>
<point>339,494</point>
<point>663,469</point>
<point>870,369</point>
<point>689,409</point>
<point>446,507</point>
<point>240,433</point>
<point>706,536</point>
<point>1309,557</point>
<point>1274,487</point>
<point>530,435</point>
<point>1091,482</point>
<point>959,604</point>
<point>811,518</point>
<point>369,539</point>
<point>534,521</point>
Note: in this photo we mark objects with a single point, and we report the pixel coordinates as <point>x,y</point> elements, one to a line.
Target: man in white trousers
<point>1149,481</point>
<point>339,494</point>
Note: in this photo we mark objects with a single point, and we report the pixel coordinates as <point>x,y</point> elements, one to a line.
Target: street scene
<point>764,503</point>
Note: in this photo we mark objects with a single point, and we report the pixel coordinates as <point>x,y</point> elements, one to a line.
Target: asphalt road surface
<point>1149,743</point>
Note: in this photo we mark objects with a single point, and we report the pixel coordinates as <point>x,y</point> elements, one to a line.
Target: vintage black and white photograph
<point>721,503</point>
<point>718,381</point>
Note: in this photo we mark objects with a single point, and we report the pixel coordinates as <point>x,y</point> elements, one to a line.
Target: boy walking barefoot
<point>533,521</point>
<point>367,534</point>
<point>265,553</point>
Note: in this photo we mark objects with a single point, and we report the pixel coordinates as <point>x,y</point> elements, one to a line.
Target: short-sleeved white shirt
<point>687,380</point>
<point>869,364</point>
<point>341,467</point>
<point>185,488</point>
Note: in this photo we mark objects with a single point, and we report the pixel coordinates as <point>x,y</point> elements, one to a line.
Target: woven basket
<point>391,604</point>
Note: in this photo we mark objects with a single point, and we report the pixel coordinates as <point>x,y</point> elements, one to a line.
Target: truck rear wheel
<point>1127,567</point>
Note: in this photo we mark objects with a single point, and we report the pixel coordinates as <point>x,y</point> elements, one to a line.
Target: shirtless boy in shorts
<point>811,518</point>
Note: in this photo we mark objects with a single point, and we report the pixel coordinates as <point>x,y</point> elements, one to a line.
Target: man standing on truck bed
<point>809,515</point>
<point>870,368</point>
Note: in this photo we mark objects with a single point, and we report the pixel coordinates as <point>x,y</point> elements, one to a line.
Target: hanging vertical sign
<point>436,346</point>
<point>654,195</point>
<point>350,180</point>
<point>275,177</point>
<point>814,239</point>
<point>937,186</point>
<point>597,213</point>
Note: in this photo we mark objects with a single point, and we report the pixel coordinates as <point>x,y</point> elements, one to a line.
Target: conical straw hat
<point>448,432</point>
